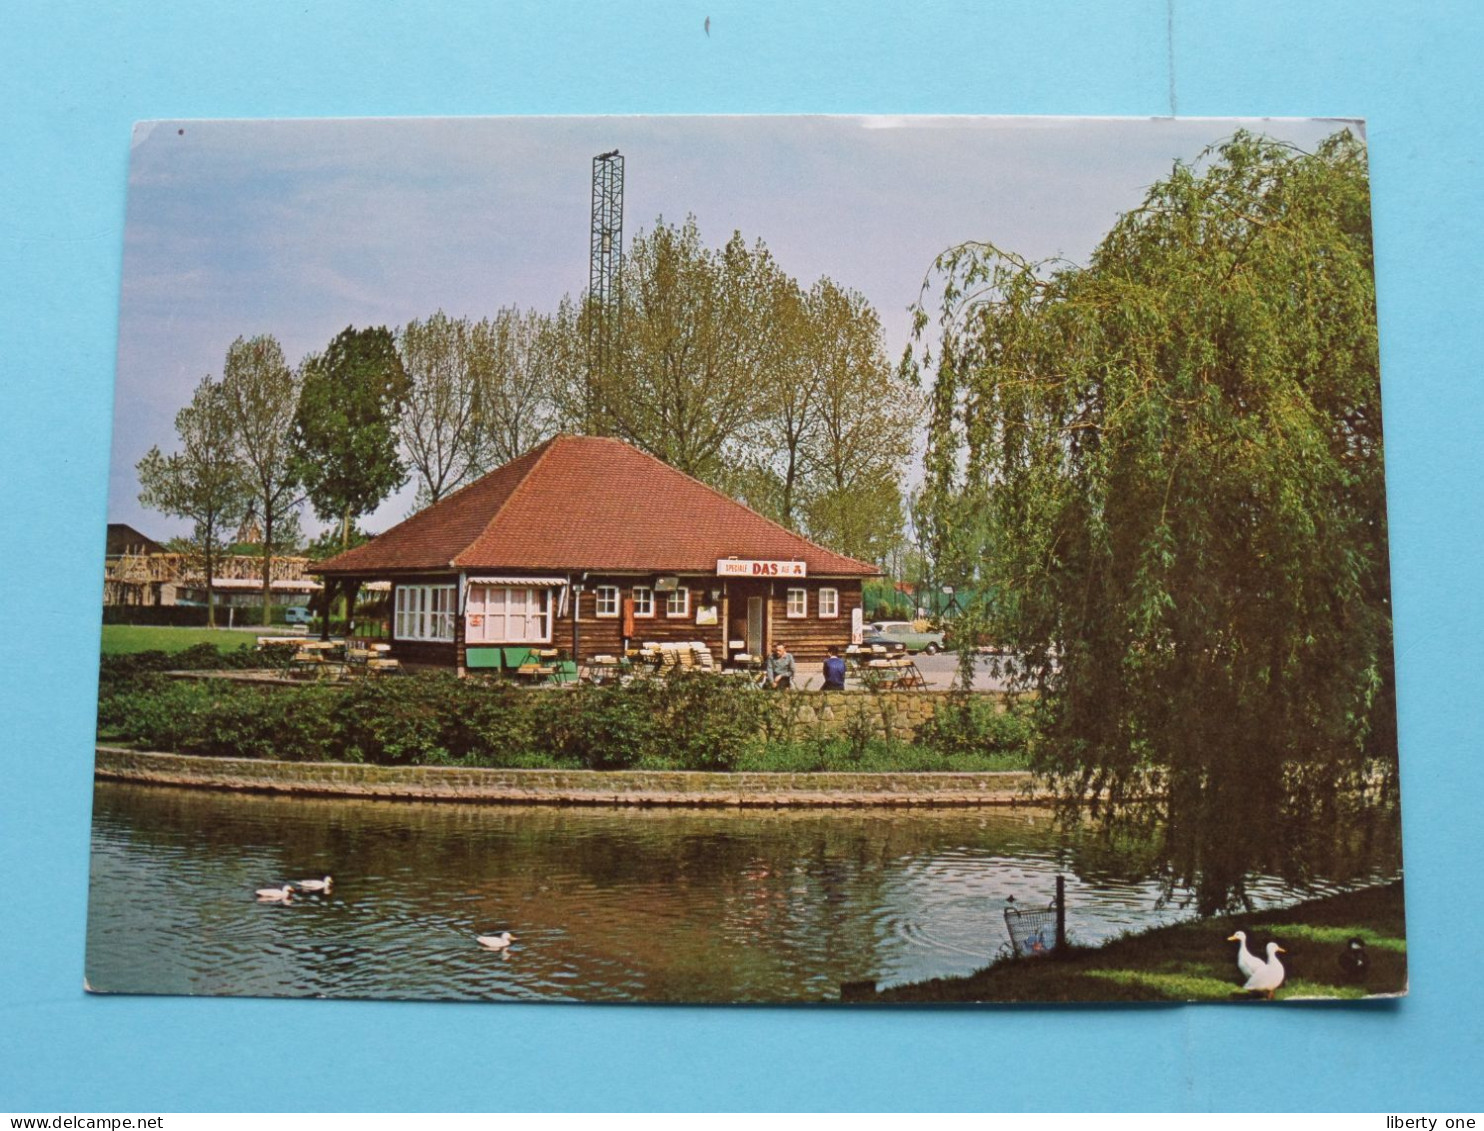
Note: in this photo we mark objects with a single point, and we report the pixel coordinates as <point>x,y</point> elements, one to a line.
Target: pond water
<point>606,904</point>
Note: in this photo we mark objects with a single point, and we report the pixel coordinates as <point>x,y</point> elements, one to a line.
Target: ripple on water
<point>660,905</point>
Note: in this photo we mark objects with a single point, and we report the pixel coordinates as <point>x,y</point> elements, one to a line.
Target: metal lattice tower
<point>605,295</point>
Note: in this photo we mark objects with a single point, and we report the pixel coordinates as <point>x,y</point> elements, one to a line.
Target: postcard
<point>748,559</point>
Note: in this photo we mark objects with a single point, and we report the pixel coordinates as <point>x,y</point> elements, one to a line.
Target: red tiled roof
<point>588,503</point>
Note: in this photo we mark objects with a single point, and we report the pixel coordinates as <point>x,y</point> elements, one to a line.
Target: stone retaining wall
<point>891,714</point>
<point>566,787</point>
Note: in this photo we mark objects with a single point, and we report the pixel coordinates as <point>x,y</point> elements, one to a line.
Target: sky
<point>300,228</point>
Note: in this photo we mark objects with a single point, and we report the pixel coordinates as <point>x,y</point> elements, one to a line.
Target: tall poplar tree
<point>262,393</point>
<point>439,425</point>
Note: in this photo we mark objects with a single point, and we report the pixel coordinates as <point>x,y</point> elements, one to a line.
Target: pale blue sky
<point>300,228</point>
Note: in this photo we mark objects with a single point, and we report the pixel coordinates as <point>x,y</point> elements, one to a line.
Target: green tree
<point>204,482</point>
<point>439,425</point>
<point>345,429</point>
<point>263,394</point>
<point>513,371</point>
<point>696,349</point>
<point>1168,465</point>
<point>862,431</point>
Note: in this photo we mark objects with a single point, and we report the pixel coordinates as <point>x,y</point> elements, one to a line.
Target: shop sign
<point>737,567</point>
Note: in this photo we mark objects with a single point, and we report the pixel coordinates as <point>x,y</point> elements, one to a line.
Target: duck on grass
<point>1343,946</point>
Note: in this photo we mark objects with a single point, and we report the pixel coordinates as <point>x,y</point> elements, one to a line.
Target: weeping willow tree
<point>1167,465</point>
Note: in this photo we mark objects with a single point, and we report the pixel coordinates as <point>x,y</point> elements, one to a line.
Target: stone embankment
<point>568,787</point>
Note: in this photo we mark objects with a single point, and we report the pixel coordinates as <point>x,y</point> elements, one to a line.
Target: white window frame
<point>509,614</point>
<point>606,601</point>
<point>643,601</point>
<point>829,607</point>
<point>802,609</point>
<point>684,602</point>
<point>425,612</point>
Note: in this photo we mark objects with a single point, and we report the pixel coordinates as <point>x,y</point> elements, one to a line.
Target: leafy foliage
<point>1168,465</point>
<point>726,368</point>
<point>203,482</point>
<point>345,430</point>
<point>262,394</point>
<point>437,424</point>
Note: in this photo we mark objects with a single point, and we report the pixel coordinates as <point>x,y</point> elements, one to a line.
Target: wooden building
<point>589,545</point>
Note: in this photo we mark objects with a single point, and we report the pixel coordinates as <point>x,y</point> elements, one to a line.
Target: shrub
<point>973,724</point>
<point>168,715</point>
<point>398,722</point>
<point>708,721</point>
<point>612,727</point>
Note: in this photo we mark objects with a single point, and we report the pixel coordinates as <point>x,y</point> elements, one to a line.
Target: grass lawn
<point>119,638</point>
<point>1194,962</point>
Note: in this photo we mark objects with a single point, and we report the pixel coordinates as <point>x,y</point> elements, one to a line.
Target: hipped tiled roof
<point>585,503</point>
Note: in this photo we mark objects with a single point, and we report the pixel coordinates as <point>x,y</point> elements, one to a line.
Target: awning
<point>528,582</point>
<point>302,585</point>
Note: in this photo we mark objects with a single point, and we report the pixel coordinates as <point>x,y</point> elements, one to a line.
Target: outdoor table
<point>319,658</point>
<point>892,674</point>
<point>650,660</point>
<point>602,669</point>
<point>535,673</point>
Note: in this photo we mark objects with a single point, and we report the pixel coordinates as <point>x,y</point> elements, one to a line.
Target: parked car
<point>901,634</point>
<point>297,614</point>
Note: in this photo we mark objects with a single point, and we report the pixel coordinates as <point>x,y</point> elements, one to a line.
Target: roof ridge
<point>719,493</point>
<point>545,449</point>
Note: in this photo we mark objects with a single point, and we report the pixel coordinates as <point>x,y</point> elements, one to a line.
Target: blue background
<point>73,79</point>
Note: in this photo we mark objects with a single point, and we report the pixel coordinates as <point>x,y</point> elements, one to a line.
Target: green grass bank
<point>1194,962</point>
<point>123,639</point>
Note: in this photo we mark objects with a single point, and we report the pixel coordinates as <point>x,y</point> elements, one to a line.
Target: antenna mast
<point>605,295</point>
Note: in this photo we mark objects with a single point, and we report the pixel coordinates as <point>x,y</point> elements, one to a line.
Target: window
<point>643,601</point>
<point>607,600</point>
<point>829,602</point>
<point>798,602</point>
<point>425,612</point>
<point>677,603</point>
<point>504,614</point>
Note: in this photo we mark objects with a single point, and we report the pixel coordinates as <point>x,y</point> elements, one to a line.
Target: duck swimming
<point>495,942</point>
<point>1269,975</point>
<point>315,885</point>
<point>276,895</point>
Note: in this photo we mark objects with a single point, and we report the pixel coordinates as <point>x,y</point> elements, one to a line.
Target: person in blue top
<point>834,670</point>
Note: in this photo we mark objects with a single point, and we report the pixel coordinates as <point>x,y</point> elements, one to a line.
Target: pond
<point>605,904</point>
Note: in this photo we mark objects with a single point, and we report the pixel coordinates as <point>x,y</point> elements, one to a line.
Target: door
<point>755,626</point>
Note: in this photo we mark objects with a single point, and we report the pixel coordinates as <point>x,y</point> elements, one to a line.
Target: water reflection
<point>606,904</point>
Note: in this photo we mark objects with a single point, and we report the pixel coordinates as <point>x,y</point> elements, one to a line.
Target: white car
<point>901,632</point>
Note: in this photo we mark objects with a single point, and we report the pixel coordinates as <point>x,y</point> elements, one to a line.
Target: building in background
<point>591,546</point>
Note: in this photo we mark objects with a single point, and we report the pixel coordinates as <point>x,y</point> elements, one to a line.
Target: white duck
<point>495,942</point>
<point>315,885</point>
<point>1269,975</point>
<point>1247,962</point>
<point>276,895</point>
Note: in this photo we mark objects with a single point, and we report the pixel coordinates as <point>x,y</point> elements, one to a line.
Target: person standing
<point>780,671</point>
<point>834,670</point>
